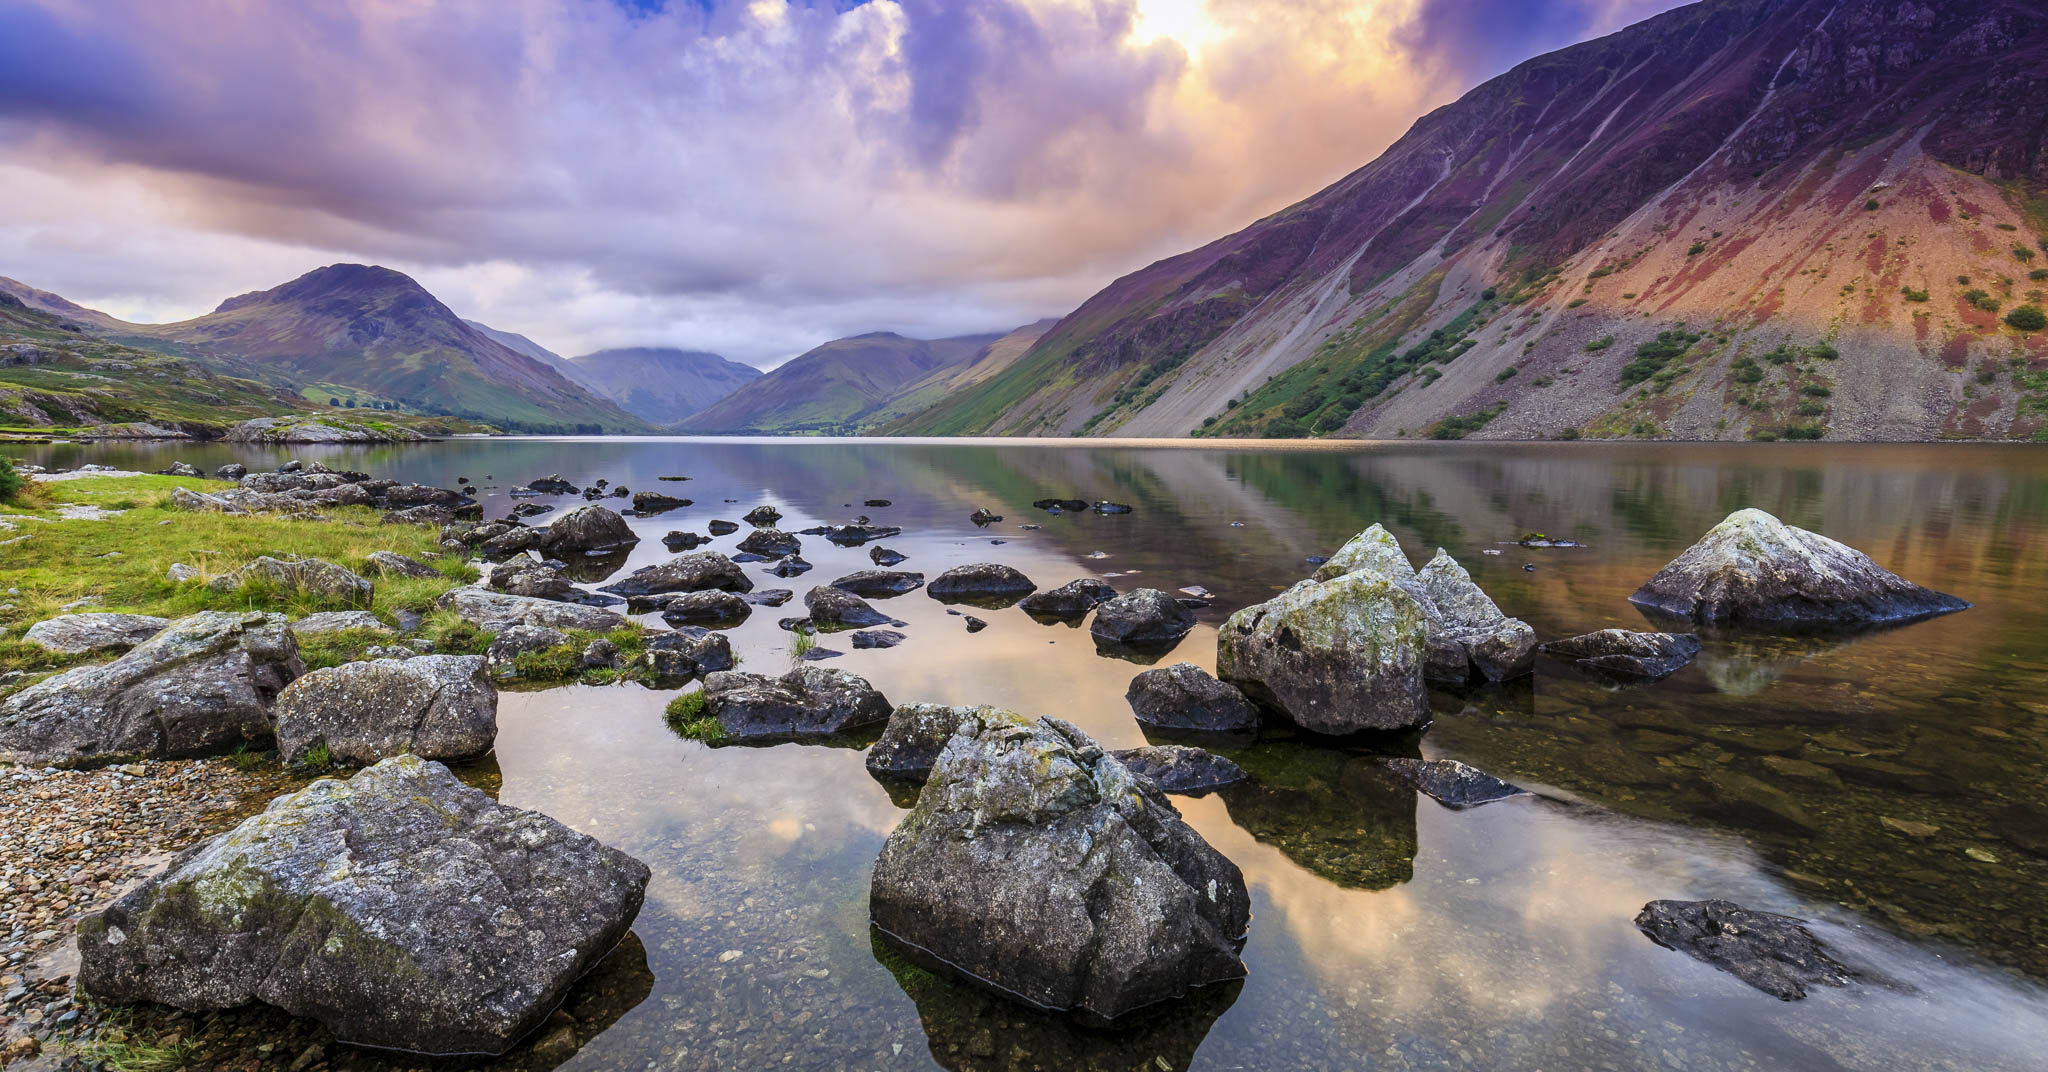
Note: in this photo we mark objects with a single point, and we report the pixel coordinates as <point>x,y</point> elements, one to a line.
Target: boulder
<point>770,543</point>
<point>587,529</point>
<point>1374,549</point>
<point>1449,782</point>
<point>432,706</point>
<point>400,908</point>
<point>335,621</point>
<point>180,573</point>
<point>1179,769</point>
<point>553,484</point>
<point>853,535</point>
<point>342,495</point>
<point>878,638</point>
<point>711,607</point>
<point>76,634</point>
<point>1773,953</point>
<point>762,515</point>
<point>675,658</point>
<point>525,577</point>
<point>497,611</point>
<point>1496,647</point>
<point>200,502</point>
<point>310,576</point>
<point>678,540</point>
<point>231,471</point>
<point>1069,602</point>
<point>404,496</point>
<point>1144,618</point>
<point>806,702</point>
<point>1624,655</point>
<point>654,502</point>
<point>793,566</point>
<point>695,572</point>
<point>1184,697</point>
<point>599,654</point>
<point>722,528</point>
<point>879,584</point>
<point>1036,865</point>
<point>426,514</point>
<point>835,608</point>
<point>514,641</point>
<point>1754,570</point>
<point>981,584</point>
<point>201,686</point>
<point>393,564</point>
<point>512,541</point>
<point>883,557</point>
<point>916,734</point>
<point>1335,657</point>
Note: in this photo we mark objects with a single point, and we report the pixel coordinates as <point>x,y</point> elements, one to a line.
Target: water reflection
<point>1338,814</point>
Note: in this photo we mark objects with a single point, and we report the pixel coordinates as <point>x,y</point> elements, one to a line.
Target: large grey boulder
<point>497,611</point>
<point>200,502</point>
<point>202,686</point>
<point>1495,646</point>
<point>587,529</point>
<point>1036,865</point>
<point>311,576</point>
<point>393,564</point>
<point>809,701</point>
<point>1184,697</point>
<point>400,908</point>
<point>1146,618</point>
<point>771,543</point>
<point>1069,602</point>
<point>1335,657</point>
<point>1754,570</point>
<point>1625,655</point>
<point>916,734</point>
<point>697,571</point>
<point>76,634</point>
<point>987,584</point>
<point>525,577</point>
<point>433,706</point>
<point>336,621</point>
<point>833,607</point>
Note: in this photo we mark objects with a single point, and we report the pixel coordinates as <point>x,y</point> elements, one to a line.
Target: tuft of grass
<point>685,715</point>
<point>128,1054</point>
<point>801,643</point>
<point>317,758</point>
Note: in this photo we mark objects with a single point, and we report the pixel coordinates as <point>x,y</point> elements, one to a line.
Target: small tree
<point>11,482</point>
<point>2027,318</point>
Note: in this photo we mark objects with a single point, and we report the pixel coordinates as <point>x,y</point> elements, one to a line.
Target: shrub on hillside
<point>11,482</point>
<point>2027,318</point>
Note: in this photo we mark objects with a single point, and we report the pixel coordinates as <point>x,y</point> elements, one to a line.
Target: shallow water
<point>1388,931</point>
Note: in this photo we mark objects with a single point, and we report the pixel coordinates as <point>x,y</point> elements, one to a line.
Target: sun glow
<point>1187,22</point>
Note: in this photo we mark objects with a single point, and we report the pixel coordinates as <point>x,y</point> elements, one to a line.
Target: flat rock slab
<point>697,571</point>
<point>400,908</point>
<point>433,706</point>
<point>76,634</point>
<point>495,612</point>
<point>1626,656</point>
<point>1180,769</point>
<point>335,621</point>
<point>1449,782</point>
<point>880,584</point>
<point>1774,953</point>
<point>986,584</point>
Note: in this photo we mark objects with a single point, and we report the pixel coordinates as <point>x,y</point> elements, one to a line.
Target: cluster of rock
<point>317,430</point>
<point>303,489</point>
<point>591,531</point>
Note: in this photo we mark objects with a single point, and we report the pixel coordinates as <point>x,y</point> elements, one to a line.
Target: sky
<point>751,178</point>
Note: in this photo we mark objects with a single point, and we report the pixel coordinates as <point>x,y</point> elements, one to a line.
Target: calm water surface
<point>1388,932</point>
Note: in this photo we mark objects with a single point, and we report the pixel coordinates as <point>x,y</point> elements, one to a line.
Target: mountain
<point>520,344</point>
<point>662,385</point>
<point>839,388</point>
<point>360,333</point>
<point>1740,218</point>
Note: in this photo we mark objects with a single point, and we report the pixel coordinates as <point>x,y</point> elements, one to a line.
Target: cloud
<point>749,177</point>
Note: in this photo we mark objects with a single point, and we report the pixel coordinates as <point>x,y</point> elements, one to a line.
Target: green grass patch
<point>685,715</point>
<point>1652,356</point>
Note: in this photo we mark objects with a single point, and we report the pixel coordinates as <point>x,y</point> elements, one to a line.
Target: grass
<point>317,758</point>
<point>801,643</point>
<point>685,715</point>
<point>125,1054</point>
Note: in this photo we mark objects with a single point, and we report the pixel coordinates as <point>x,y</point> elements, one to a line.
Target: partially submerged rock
<point>916,734</point>
<point>1774,953</point>
<point>76,634</point>
<point>1495,647</point>
<point>311,576</point>
<point>400,908</point>
<point>771,543</point>
<point>673,659</point>
<point>806,702</point>
<point>1178,768</point>
<point>980,584</point>
<point>525,577</point>
<point>878,638</point>
<point>762,515</point>
<point>495,612</point>
<point>588,529</point>
<point>706,608</point>
<point>202,686</point>
<point>1184,697</point>
<point>1449,782</point>
<point>694,572</point>
<point>832,607</point>
<point>1069,602</point>
<point>1037,866</point>
<point>432,706</point>
<point>1624,655</point>
<point>883,557</point>
<point>1146,618</point>
<point>880,584</point>
<point>1336,657</point>
<point>1754,570</point>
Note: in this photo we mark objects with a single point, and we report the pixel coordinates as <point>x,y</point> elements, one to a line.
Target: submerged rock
<point>1335,657</point>
<point>400,908</point>
<point>497,611</point>
<point>76,634</point>
<point>762,515</point>
<point>201,686</point>
<point>879,584</point>
<point>1754,570</point>
<point>1037,866</point>
<point>853,535</point>
<point>1621,654</point>
<point>694,572</point>
<point>806,702</point>
<point>312,576</point>
<point>770,543</point>
<point>432,706</point>
<point>1449,782</point>
<point>916,734</point>
<point>1069,602</point>
<point>981,583</point>
<point>878,638</point>
<point>683,541</point>
<point>1180,769</point>
<point>1774,953</point>
<point>721,528</point>
<point>1184,697</point>
<point>1145,618</point>
<point>654,502</point>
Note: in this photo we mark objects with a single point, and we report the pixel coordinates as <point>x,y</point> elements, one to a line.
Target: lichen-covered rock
<point>1069,602</point>
<point>762,515</point>
<point>1754,570</point>
<point>879,584</point>
<point>76,634</point>
<point>981,584</point>
<point>1449,782</point>
<point>1036,865</point>
<point>1374,549</point>
<point>1768,951</point>
<point>771,543</point>
<point>706,608</point>
<point>525,577</point>
<point>674,659</point>
<point>200,502</point>
<point>1144,618</point>
<point>400,908</point>
<point>806,702</point>
<point>587,529</point>
<point>916,734</point>
<point>311,576</point>
<point>495,612</point>
<point>1336,657</point>
<point>1625,655</point>
<point>201,686</point>
<point>833,607</point>
<point>231,471</point>
<point>1184,697</point>
<point>1178,768</point>
<point>695,572</point>
<point>506,648</point>
<point>335,621</point>
<point>432,706</point>
<point>1496,647</point>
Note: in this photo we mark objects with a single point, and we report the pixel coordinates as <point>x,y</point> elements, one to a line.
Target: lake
<point>1798,776</point>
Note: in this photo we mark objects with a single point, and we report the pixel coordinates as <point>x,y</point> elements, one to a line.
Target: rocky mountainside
<point>518,343</point>
<point>845,386</point>
<point>351,328</point>
<point>1737,219</point>
<point>661,384</point>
